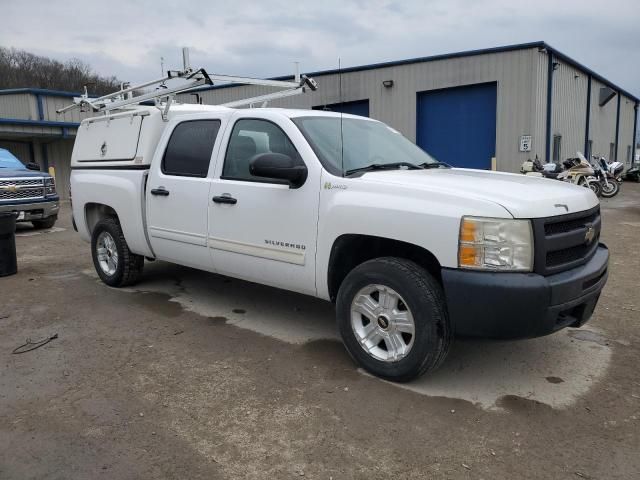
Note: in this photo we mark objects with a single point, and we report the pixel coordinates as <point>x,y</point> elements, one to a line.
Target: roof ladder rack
<point>189,79</point>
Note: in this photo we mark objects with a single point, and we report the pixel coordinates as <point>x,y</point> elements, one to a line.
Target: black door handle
<point>160,191</point>
<point>225,199</point>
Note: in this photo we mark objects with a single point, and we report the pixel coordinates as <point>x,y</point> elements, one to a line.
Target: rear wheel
<point>115,264</point>
<point>393,318</point>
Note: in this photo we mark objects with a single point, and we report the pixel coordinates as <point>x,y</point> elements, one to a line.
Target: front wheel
<point>116,265</point>
<point>593,184</point>
<point>610,189</point>
<point>393,319</point>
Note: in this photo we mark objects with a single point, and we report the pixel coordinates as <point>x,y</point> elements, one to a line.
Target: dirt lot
<point>192,375</point>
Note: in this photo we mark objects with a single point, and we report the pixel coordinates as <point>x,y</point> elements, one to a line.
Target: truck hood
<point>14,173</point>
<point>521,195</point>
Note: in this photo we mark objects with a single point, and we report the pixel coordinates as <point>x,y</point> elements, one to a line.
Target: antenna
<point>341,115</point>
<point>161,65</point>
<point>296,72</point>
<point>186,64</point>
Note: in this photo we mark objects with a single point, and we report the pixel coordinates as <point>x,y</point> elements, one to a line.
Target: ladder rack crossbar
<point>264,98</point>
<point>191,79</point>
<point>161,93</point>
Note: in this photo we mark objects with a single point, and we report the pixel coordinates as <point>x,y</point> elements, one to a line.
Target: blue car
<point>29,193</point>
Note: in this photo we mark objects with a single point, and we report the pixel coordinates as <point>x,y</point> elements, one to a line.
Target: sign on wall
<point>525,143</point>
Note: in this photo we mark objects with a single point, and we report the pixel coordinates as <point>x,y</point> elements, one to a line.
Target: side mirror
<point>33,166</point>
<point>277,165</point>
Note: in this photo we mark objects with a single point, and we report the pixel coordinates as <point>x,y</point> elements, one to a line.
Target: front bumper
<point>523,305</point>
<point>34,210</point>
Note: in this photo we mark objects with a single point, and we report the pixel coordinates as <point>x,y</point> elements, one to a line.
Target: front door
<point>178,194</point>
<point>260,229</point>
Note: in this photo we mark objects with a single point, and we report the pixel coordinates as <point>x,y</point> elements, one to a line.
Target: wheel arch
<point>94,212</point>
<point>350,250</point>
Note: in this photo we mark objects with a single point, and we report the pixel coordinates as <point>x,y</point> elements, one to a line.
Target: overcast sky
<point>126,38</point>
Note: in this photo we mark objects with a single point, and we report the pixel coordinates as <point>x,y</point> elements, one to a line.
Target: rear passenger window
<point>189,149</point>
<point>249,138</point>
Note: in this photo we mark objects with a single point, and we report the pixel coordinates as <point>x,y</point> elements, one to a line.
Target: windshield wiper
<point>435,165</point>
<point>384,166</point>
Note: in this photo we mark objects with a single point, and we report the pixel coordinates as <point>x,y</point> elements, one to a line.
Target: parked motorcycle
<point>610,186</point>
<point>573,170</point>
<point>632,174</point>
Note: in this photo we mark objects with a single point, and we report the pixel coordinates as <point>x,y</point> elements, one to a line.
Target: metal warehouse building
<point>491,108</point>
<point>32,130</point>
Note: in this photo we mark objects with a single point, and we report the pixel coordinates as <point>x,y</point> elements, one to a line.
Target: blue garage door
<point>359,107</point>
<point>458,125</point>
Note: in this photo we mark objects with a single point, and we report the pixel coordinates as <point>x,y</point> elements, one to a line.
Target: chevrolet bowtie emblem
<point>590,234</point>
<point>10,188</point>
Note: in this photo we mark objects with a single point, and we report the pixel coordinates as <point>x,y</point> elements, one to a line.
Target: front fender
<point>426,219</point>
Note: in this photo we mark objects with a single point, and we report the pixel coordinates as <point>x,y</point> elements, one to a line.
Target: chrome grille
<point>21,181</point>
<point>21,188</point>
<point>565,241</point>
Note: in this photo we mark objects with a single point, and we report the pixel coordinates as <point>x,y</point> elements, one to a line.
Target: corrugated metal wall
<point>602,129</point>
<point>19,105</point>
<point>19,149</point>
<point>539,107</point>
<point>625,136</point>
<point>515,72</point>
<point>51,103</point>
<point>59,153</point>
<point>569,110</point>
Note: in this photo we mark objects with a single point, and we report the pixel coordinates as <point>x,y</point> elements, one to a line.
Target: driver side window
<point>249,138</point>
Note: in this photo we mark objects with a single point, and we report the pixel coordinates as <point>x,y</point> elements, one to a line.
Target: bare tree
<point>19,68</point>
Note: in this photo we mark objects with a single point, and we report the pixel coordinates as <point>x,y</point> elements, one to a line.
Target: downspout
<point>586,128</point>
<point>549,103</point>
<point>617,128</point>
<point>32,153</point>
<point>40,106</point>
<point>45,156</point>
<point>635,132</point>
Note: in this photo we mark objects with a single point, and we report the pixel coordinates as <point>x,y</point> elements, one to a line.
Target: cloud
<point>263,38</point>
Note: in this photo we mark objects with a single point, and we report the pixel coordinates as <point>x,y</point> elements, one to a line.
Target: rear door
<point>178,192</point>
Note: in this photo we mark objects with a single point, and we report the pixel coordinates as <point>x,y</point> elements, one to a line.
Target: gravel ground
<point>193,375</point>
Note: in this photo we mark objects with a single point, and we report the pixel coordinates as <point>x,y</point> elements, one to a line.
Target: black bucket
<point>8,258</point>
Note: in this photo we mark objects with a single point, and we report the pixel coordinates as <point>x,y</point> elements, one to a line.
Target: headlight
<point>495,244</point>
<point>49,186</point>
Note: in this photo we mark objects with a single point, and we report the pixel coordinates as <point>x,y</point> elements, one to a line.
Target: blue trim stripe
<point>42,91</point>
<point>37,123</point>
<point>635,133</point>
<point>40,106</point>
<point>549,105</point>
<point>617,128</point>
<point>588,120</point>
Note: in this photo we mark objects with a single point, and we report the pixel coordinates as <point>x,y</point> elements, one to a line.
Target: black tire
<point>48,222</point>
<point>129,266</point>
<point>423,296</point>
<point>613,191</point>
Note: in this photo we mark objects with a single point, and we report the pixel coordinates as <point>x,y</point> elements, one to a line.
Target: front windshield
<point>7,160</point>
<point>366,143</point>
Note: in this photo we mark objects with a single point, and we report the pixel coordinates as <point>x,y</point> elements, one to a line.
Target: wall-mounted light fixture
<point>387,83</point>
<point>556,65</point>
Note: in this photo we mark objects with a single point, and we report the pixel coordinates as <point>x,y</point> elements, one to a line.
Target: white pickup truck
<point>346,209</point>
